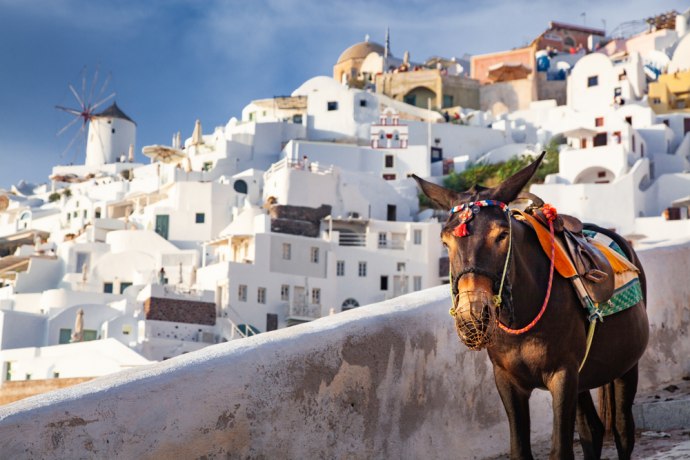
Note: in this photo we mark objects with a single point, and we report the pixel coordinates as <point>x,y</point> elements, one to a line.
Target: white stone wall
<point>389,380</point>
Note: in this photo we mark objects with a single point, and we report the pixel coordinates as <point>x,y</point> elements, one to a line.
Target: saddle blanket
<point>628,289</point>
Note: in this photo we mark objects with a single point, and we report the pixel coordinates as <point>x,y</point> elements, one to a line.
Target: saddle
<point>593,271</point>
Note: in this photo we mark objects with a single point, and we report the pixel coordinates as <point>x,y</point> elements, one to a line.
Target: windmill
<point>85,106</point>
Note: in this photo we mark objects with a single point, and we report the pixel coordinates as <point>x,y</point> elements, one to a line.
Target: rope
<point>590,336</point>
<point>548,292</point>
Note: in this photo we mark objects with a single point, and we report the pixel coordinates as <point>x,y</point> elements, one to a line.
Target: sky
<point>174,61</point>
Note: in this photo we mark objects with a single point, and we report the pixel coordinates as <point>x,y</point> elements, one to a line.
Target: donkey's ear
<point>510,188</point>
<point>442,196</point>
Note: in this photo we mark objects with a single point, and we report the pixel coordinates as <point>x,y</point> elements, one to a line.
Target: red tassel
<point>461,230</point>
<point>549,212</point>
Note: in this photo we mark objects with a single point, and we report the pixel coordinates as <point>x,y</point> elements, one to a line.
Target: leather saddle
<point>592,267</point>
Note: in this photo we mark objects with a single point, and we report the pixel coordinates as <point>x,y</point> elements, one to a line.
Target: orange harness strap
<point>563,264</point>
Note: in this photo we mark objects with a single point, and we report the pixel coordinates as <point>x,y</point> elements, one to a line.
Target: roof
<point>573,27</point>
<point>115,112</point>
<point>360,51</point>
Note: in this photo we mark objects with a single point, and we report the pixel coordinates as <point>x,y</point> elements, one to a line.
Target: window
<point>417,283</point>
<point>199,218</point>
<point>242,292</point>
<point>108,288</point>
<point>617,137</point>
<point>383,240</point>
<point>410,99</point>
<point>362,103</point>
<point>316,296</point>
<point>261,295</point>
<point>447,100</point>
<point>340,268</point>
<point>601,174</point>
<point>284,292</point>
<point>362,269</point>
<point>287,251</point>
<point>599,121</point>
<point>436,154</point>
<point>633,143</point>
<point>401,266</point>
<point>84,213</point>
<point>349,304</point>
<point>252,115</point>
<point>207,166</point>
<point>388,162</point>
<point>124,285</point>
<point>240,186</point>
<point>314,255</point>
<point>599,139</point>
<point>65,336</point>
<point>384,283</point>
<point>568,41</point>
<point>391,213</point>
<point>628,120</point>
<point>126,329</point>
<point>593,81</point>
<point>655,100</point>
<point>617,91</point>
<point>641,149</point>
<point>417,236</point>
<point>389,177</point>
<point>332,105</point>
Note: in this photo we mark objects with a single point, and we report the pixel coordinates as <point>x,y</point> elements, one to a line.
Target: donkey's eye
<point>502,236</point>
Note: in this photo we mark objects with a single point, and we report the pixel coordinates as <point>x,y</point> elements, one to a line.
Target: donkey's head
<point>477,236</point>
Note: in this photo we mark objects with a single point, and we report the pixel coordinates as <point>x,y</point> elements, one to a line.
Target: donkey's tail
<point>606,402</point>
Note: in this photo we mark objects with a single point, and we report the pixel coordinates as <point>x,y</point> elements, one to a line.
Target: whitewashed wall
<point>390,380</point>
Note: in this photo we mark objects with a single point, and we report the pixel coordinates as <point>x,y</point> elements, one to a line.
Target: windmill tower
<point>111,132</point>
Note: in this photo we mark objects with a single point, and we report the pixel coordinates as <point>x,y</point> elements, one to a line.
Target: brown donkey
<point>502,282</point>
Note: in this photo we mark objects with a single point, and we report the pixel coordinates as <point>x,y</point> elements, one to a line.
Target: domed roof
<point>360,51</point>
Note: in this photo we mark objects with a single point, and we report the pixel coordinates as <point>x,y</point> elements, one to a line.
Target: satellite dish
<point>4,202</point>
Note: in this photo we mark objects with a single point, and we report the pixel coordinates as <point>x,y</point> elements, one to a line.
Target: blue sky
<point>173,61</point>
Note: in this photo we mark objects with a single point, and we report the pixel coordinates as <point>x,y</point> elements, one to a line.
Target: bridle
<point>467,211</point>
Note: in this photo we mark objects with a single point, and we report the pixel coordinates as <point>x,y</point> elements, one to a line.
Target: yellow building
<point>671,93</point>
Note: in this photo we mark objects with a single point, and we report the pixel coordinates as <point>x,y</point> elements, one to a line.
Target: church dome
<point>360,51</point>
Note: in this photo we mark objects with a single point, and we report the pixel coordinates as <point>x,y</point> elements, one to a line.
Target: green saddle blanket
<point>628,289</point>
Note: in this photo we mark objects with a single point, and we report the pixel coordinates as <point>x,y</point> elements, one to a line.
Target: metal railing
<point>352,239</point>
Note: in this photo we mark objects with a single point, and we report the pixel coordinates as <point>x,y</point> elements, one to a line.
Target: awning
<point>164,154</point>
<point>580,132</point>
<point>506,71</point>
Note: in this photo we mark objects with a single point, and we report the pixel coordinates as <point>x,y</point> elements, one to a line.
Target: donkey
<point>501,282</point>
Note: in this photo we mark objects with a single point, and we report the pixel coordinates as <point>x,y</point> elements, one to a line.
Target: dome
<point>360,51</point>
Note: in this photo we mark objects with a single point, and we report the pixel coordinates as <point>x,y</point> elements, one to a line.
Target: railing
<point>391,244</point>
<point>352,239</point>
<point>304,310</point>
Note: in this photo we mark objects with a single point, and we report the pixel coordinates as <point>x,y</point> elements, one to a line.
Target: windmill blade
<point>74,138</point>
<point>93,107</point>
<point>93,83</point>
<point>74,91</point>
<point>67,126</point>
<point>69,110</point>
<point>83,85</point>
<point>104,86</point>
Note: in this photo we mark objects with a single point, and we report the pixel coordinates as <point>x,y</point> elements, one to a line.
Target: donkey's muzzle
<point>475,318</point>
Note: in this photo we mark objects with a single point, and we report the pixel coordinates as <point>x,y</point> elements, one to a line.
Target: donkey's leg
<point>624,390</point>
<point>589,427</point>
<point>516,403</point>
<point>563,388</point>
